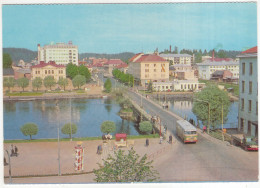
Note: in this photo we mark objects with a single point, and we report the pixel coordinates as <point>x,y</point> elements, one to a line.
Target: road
<point>207,160</point>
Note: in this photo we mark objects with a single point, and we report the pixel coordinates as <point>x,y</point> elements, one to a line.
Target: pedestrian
<point>147,142</point>
<point>204,129</point>
<point>99,148</point>
<point>170,139</point>
<point>161,139</point>
<point>15,150</point>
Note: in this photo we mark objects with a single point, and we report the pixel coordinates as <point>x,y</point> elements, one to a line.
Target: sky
<point>115,28</point>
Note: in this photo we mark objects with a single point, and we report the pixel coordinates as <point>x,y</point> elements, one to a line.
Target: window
<point>242,104</point>
<point>154,70</point>
<point>52,71</point>
<point>251,69</point>
<point>243,86</point>
<point>256,108</point>
<point>249,105</point>
<point>241,124</point>
<point>39,72</point>
<point>45,71</point>
<point>181,86</point>
<point>35,72</point>
<point>250,87</point>
<point>154,65</point>
<point>146,65</point>
<point>49,72</point>
<point>146,70</point>
<point>243,68</point>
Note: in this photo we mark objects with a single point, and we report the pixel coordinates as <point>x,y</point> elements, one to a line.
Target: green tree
<point>69,129</point>
<point>63,82</point>
<point>150,87</point>
<point>126,168</point>
<point>49,81</point>
<point>78,81</point>
<point>145,127</point>
<point>7,61</point>
<point>37,83</point>
<point>23,82</point>
<point>72,70</point>
<point>108,85</point>
<point>83,70</point>
<point>9,82</point>
<point>211,98</point>
<point>29,129</point>
<point>108,127</point>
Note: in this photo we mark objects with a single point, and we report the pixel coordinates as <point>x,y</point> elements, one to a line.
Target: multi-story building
<point>112,64</point>
<point>148,67</point>
<point>207,68</point>
<point>178,58</point>
<point>177,85</point>
<point>248,92</point>
<point>61,53</point>
<point>183,72</point>
<point>48,69</point>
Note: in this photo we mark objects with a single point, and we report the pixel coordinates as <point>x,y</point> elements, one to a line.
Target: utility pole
<point>10,173</point>
<point>209,118</point>
<point>58,129</point>
<point>222,123</point>
<point>70,122</point>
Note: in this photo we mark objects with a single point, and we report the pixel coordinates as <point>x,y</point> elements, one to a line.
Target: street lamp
<point>208,113</point>
<point>57,108</point>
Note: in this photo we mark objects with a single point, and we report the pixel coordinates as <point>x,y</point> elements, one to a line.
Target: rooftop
<point>43,64</point>
<point>175,55</point>
<point>8,71</point>
<point>147,58</point>
<point>217,63</point>
<point>251,50</point>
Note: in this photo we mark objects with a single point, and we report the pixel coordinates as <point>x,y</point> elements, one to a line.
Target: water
<point>183,108</point>
<point>87,114</point>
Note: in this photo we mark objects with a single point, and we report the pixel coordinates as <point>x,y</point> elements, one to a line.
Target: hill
<point>28,55</point>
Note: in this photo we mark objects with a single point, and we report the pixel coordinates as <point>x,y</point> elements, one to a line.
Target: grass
<point>126,110</point>
<point>25,94</point>
<point>79,139</point>
<point>218,135</point>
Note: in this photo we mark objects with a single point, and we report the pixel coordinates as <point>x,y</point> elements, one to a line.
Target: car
<point>250,143</point>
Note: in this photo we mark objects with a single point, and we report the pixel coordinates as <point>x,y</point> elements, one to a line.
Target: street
<point>207,160</point>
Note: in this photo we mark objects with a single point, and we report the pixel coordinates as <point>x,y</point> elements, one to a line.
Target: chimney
<point>213,53</point>
<point>170,48</point>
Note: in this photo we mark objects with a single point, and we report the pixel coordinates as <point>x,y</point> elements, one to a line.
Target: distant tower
<point>213,53</point>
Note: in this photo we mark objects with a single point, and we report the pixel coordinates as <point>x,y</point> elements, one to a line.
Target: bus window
<point>189,132</point>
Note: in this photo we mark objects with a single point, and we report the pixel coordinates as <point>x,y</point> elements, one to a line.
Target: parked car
<point>250,143</point>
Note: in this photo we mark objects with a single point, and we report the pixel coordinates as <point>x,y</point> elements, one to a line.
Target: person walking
<point>204,129</point>
<point>170,139</point>
<point>147,142</point>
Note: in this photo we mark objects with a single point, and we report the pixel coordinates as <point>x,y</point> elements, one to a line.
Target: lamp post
<point>10,173</point>
<point>58,128</point>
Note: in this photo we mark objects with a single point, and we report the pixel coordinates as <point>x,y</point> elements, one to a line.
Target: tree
<point>83,70</point>
<point>29,129</point>
<point>108,127</point>
<point>211,97</point>
<point>150,87</point>
<point>78,81</point>
<point>108,85</point>
<point>72,70</point>
<point>23,82</point>
<point>7,61</point>
<point>49,81</point>
<point>37,83</point>
<point>9,82</point>
<point>146,127</point>
<point>69,129</point>
<point>126,168</point>
<point>63,82</point>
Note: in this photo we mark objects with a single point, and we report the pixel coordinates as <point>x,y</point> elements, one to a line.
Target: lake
<point>88,114</point>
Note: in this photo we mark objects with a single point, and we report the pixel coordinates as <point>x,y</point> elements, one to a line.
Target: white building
<point>178,58</point>
<point>60,53</point>
<point>177,85</point>
<point>207,68</point>
<point>248,94</point>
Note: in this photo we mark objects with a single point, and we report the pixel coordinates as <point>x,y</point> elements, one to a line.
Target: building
<point>22,73</point>
<point>208,67</point>
<point>8,73</point>
<point>48,69</point>
<point>148,67</point>
<point>176,85</point>
<point>205,57</point>
<point>60,53</point>
<point>178,58</point>
<point>112,64</point>
<point>248,92</point>
<point>223,75</point>
<point>183,72</point>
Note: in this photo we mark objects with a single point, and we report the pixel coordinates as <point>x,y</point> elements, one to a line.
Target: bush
<point>108,127</point>
<point>29,129</point>
<point>146,127</point>
<point>67,130</point>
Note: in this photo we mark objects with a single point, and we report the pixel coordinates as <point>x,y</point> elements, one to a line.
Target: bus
<point>186,131</point>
